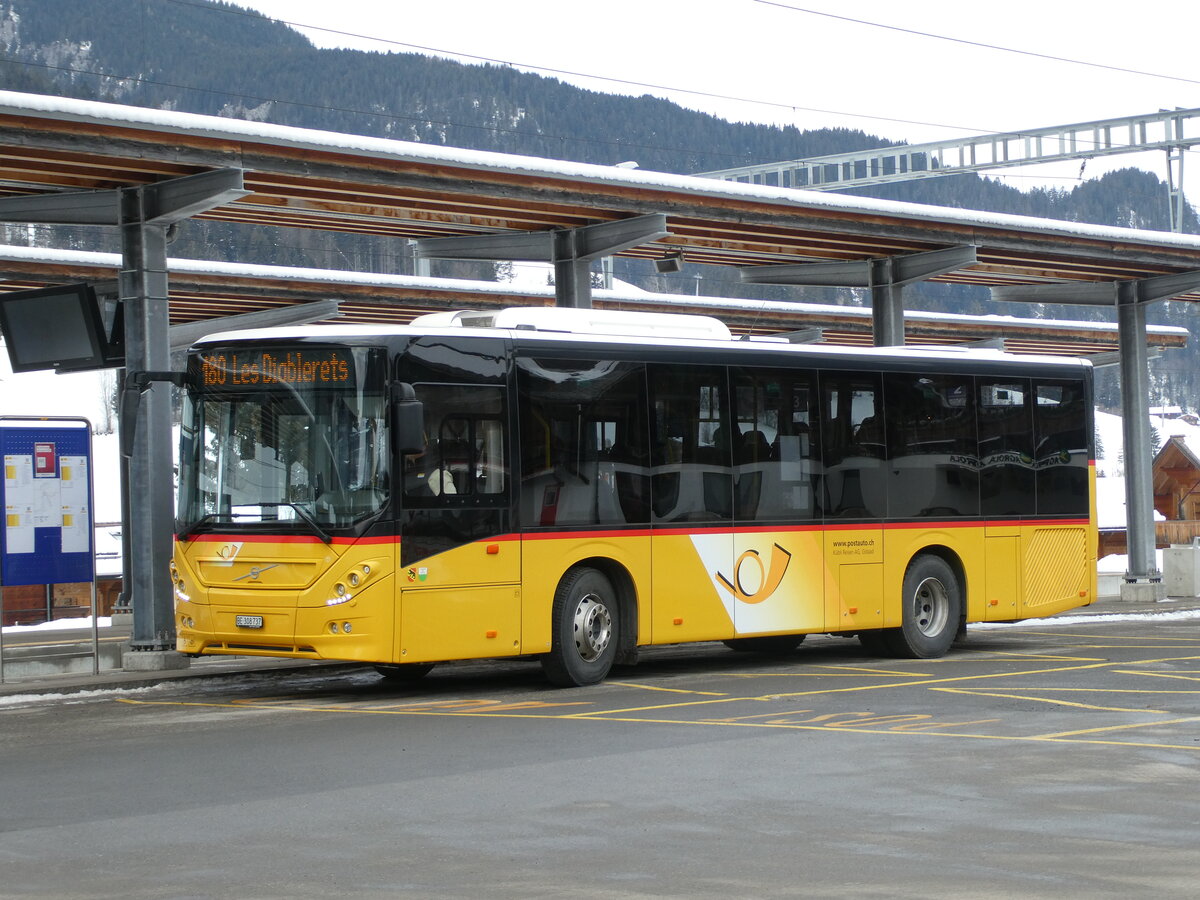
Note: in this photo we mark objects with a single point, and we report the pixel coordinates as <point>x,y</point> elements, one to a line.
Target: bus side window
<point>584,453</point>
<point>693,443</point>
<point>1006,474</point>
<point>464,458</point>
<point>853,448</point>
<point>1063,447</point>
<point>774,474</point>
<point>933,466</point>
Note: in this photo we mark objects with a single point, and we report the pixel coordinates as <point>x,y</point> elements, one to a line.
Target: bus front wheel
<point>585,622</point>
<point>933,608</point>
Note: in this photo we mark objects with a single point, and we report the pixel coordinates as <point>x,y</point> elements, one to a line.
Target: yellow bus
<point>573,485</point>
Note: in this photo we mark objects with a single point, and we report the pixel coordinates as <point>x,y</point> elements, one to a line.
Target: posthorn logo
<point>752,581</point>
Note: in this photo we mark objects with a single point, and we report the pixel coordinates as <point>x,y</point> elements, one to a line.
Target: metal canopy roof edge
<point>242,139</point>
<point>242,286</point>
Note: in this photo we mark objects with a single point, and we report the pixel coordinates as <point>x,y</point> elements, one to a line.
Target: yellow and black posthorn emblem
<point>768,579</point>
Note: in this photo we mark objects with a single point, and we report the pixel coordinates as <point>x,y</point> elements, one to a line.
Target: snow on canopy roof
<point>335,277</point>
<point>50,107</point>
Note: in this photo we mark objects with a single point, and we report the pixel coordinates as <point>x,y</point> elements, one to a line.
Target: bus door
<point>1060,551</point>
<point>691,461</point>
<point>460,564</point>
<point>777,580</point>
<point>1006,490</point>
<point>584,489</point>
<point>854,500</point>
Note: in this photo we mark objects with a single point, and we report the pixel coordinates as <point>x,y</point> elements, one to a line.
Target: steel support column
<point>571,250</point>
<point>142,214</point>
<point>887,314</point>
<point>151,523</point>
<point>572,272</point>
<point>884,277</point>
<point>1175,197</point>
<point>1135,427</point>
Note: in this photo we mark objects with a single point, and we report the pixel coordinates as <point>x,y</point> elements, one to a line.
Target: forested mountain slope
<point>215,58</point>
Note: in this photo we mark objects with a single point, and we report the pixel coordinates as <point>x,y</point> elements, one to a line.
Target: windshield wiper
<point>304,517</point>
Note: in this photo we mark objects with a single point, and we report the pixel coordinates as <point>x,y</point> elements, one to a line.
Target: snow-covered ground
<point>60,625</point>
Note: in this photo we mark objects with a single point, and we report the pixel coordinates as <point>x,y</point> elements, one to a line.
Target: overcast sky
<point>787,64</point>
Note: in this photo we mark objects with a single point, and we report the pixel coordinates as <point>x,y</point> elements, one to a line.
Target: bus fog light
<point>339,589</point>
<point>366,570</point>
<point>333,628</point>
<point>353,579</point>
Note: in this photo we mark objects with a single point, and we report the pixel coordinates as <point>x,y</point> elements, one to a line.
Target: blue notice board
<point>47,493</point>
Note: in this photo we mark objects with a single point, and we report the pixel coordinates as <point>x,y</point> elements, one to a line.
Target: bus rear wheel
<point>933,609</point>
<point>586,624</point>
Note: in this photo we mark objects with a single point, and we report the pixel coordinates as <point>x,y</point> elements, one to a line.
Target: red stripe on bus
<point>290,539</point>
<point>597,534</point>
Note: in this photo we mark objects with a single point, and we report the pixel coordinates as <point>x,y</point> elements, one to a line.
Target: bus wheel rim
<point>931,607</point>
<point>593,627</point>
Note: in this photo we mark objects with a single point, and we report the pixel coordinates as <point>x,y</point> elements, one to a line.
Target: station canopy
<point>301,178</point>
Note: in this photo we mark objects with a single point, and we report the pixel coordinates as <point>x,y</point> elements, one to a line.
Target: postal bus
<point>573,485</point>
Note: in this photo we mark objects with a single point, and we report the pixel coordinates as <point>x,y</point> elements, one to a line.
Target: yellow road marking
<point>775,714</point>
<point>844,721</point>
<point>1108,637</point>
<point>984,655</point>
<point>913,729</point>
<point>651,687</point>
<point>633,709</point>
<point>1158,712</point>
<point>866,670</point>
<point>1175,675</point>
<point>1066,734</point>
<point>1105,690</point>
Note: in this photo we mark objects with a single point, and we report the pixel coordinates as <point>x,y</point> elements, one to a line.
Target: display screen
<point>250,368</point>
<point>53,328</point>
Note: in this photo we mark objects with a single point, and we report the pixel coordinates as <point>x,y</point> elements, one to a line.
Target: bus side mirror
<point>408,420</point>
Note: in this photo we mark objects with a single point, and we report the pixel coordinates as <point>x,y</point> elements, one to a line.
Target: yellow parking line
<point>1056,702</point>
<point>1111,637</point>
<point>1059,735</point>
<point>651,687</point>
<point>907,728</point>
<point>1174,675</point>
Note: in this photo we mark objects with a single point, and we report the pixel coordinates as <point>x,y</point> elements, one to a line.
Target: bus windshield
<point>292,438</point>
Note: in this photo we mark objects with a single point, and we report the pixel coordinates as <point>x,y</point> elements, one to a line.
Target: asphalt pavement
<point>216,666</point>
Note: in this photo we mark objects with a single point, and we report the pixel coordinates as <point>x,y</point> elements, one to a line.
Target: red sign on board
<point>45,460</point>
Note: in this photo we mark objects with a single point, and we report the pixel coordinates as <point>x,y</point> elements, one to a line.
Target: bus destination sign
<point>319,367</point>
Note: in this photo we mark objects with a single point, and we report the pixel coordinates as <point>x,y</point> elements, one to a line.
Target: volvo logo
<point>255,571</point>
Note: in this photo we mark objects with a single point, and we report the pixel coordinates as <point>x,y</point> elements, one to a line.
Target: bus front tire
<point>408,672</point>
<point>586,625</point>
<point>933,609</point>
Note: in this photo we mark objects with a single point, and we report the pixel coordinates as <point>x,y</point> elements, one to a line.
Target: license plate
<point>248,621</point>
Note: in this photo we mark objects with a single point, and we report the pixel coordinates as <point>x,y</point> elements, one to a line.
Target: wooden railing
<point>1175,531</point>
